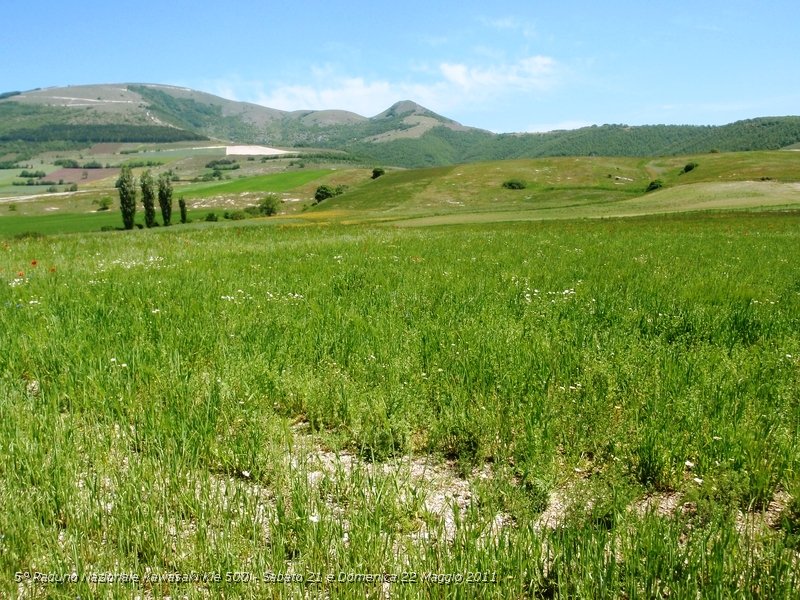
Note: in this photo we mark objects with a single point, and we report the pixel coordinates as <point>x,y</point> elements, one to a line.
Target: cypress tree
<point>182,205</point>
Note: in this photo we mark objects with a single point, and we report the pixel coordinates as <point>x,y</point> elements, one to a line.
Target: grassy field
<point>576,187</point>
<point>555,188</point>
<point>279,182</point>
<point>577,408</point>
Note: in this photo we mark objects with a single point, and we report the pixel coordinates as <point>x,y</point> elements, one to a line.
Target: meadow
<point>568,408</point>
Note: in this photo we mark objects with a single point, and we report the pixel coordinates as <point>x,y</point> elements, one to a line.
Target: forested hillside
<point>405,135</point>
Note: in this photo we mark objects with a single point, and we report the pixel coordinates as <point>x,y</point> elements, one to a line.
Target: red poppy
<point>34,262</point>
<point>52,269</point>
<point>21,274</point>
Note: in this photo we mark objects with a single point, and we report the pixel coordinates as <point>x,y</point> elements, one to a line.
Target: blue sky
<point>503,65</point>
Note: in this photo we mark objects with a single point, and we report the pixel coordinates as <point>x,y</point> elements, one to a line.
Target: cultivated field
<point>603,408</point>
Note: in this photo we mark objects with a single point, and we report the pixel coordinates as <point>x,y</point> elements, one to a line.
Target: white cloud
<point>511,24</point>
<point>533,72</point>
<point>445,88</point>
<point>353,94</point>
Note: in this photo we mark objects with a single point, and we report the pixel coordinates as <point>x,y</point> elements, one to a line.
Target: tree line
<point>160,188</point>
<point>99,133</point>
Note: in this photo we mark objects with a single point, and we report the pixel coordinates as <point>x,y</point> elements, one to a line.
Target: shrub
<point>212,217</point>
<point>514,184</point>
<point>377,172</point>
<point>654,185</point>
<point>223,164</point>
<point>269,205</point>
<point>690,166</point>
<point>323,193</point>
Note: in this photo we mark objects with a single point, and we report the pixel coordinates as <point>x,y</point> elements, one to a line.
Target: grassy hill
<point>561,187</point>
<point>405,134</point>
<point>553,188</point>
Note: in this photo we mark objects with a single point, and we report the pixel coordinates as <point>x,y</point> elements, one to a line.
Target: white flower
<point>698,481</point>
<point>314,518</point>
<point>689,464</point>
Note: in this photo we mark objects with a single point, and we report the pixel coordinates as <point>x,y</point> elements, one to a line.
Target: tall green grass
<point>163,393</point>
<point>276,182</point>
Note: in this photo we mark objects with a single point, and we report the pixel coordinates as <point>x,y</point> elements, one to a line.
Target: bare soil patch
<point>82,175</point>
<point>105,148</point>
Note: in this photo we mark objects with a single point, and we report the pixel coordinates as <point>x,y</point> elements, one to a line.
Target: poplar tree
<point>165,197</point>
<point>126,184</point>
<point>148,199</point>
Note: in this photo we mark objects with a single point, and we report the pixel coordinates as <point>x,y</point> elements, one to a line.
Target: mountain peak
<point>405,108</point>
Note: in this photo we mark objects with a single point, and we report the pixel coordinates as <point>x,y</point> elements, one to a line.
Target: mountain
<point>405,134</point>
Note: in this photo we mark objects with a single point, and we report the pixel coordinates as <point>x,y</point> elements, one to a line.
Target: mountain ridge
<point>405,134</point>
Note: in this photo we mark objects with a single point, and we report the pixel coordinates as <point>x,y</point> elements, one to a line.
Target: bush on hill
<point>654,185</point>
<point>514,184</point>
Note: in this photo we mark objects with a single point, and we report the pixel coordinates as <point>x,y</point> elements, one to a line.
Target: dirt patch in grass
<point>82,175</point>
<point>105,148</point>
<point>444,494</point>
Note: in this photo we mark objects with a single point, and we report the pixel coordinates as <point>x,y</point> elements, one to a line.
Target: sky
<point>505,66</point>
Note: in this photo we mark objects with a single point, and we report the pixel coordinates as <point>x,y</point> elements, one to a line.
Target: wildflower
<point>33,388</point>
<point>689,464</point>
<point>21,274</point>
<point>698,481</point>
<point>246,474</point>
<point>52,269</point>
<point>34,262</point>
<point>314,518</point>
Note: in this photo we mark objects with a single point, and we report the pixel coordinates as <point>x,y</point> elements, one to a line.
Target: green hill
<point>406,134</point>
<point>549,188</point>
<point>569,187</point>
